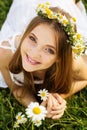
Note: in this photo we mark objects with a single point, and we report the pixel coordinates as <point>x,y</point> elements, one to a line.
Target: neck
<point>39,74</point>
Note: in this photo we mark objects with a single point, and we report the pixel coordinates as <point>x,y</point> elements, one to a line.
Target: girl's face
<point>38,50</point>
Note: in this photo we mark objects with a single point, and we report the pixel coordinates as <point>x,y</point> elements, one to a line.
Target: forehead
<point>45,32</point>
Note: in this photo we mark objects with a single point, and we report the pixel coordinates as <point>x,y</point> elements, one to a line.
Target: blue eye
<point>49,50</point>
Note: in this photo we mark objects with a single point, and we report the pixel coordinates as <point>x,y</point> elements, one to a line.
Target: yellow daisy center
<point>47,3</point>
<point>36,110</point>
<point>19,117</point>
<point>37,121</point>
<point>16,124</point>
<point>74,19</point>
<point>65,22</point>
<point>43,94</point>
<point>60,16</point>
<point>78,36</point>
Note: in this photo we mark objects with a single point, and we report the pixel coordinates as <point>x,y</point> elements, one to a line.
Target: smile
<point>31,61</point>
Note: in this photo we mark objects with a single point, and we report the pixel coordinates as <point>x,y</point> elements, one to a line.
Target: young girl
<point>43,59</point>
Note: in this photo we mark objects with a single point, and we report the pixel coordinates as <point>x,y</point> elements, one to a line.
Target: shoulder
<point>5,54</point>
<point>80,67</point>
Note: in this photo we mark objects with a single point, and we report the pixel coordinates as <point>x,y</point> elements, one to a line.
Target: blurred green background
<point>4,8</point>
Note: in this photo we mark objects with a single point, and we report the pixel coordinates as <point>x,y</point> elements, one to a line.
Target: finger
<point>57,116</point>
<point>49,106</point>
<point>54,101</point>
<point>60,106</point>
<point>49,103</point>
<point>44,103</point>
<point>58,97</point>
<point>58,111</point>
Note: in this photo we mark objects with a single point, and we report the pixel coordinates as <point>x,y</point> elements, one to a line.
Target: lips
<point>31,61</point>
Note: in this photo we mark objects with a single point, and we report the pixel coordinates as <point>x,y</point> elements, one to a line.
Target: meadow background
<point>75,117</point>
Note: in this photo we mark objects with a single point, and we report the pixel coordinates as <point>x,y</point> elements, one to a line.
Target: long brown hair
<point>58,77</point>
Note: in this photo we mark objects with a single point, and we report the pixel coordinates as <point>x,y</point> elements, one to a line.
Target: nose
<point>35,53</point>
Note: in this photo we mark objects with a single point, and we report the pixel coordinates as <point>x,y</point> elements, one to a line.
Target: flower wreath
<point>74,38</point>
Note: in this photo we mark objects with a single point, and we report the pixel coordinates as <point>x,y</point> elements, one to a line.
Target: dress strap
<point>18,79</point>
<point>11,41</point>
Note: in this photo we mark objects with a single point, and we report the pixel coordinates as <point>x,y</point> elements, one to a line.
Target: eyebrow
<point>46,45</point>
<point>51,46</point>
<point>34,35</point>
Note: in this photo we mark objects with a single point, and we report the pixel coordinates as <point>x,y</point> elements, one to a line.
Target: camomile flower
<point>37,123</point>
<point>16,125</point>
<point>21,118</point>
<point>24,120</point>
<point>43,94</point>
<point>73,20</point>
<point>36,111</point>
<point>78,48</point>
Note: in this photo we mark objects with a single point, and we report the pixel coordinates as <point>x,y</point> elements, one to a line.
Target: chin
<point>27,69</point>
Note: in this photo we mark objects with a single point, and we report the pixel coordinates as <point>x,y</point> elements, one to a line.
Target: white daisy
<point>73,20</point>
<point>21,118</point>
<point>37,123</point>
<point>16,125</point>
<point>36,111</point>
<point>43,94</point>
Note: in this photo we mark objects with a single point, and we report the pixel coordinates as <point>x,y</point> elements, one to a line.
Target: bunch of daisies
<point>34,112</point>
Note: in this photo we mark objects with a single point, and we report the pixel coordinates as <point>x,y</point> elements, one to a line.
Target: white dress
<point>21,13</point>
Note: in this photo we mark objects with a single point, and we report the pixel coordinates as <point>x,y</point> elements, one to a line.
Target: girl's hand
<point>58,110</point>
<point>55,106</point>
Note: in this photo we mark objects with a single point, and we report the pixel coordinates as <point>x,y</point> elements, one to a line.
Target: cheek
<point>49,60</point>
<point>23,46</point>
<point>22,49</point>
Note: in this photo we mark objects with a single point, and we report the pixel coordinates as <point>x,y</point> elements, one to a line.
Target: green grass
<point>75,117</point>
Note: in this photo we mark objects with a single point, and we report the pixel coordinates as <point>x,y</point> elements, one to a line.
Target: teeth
<point>32,61</point>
